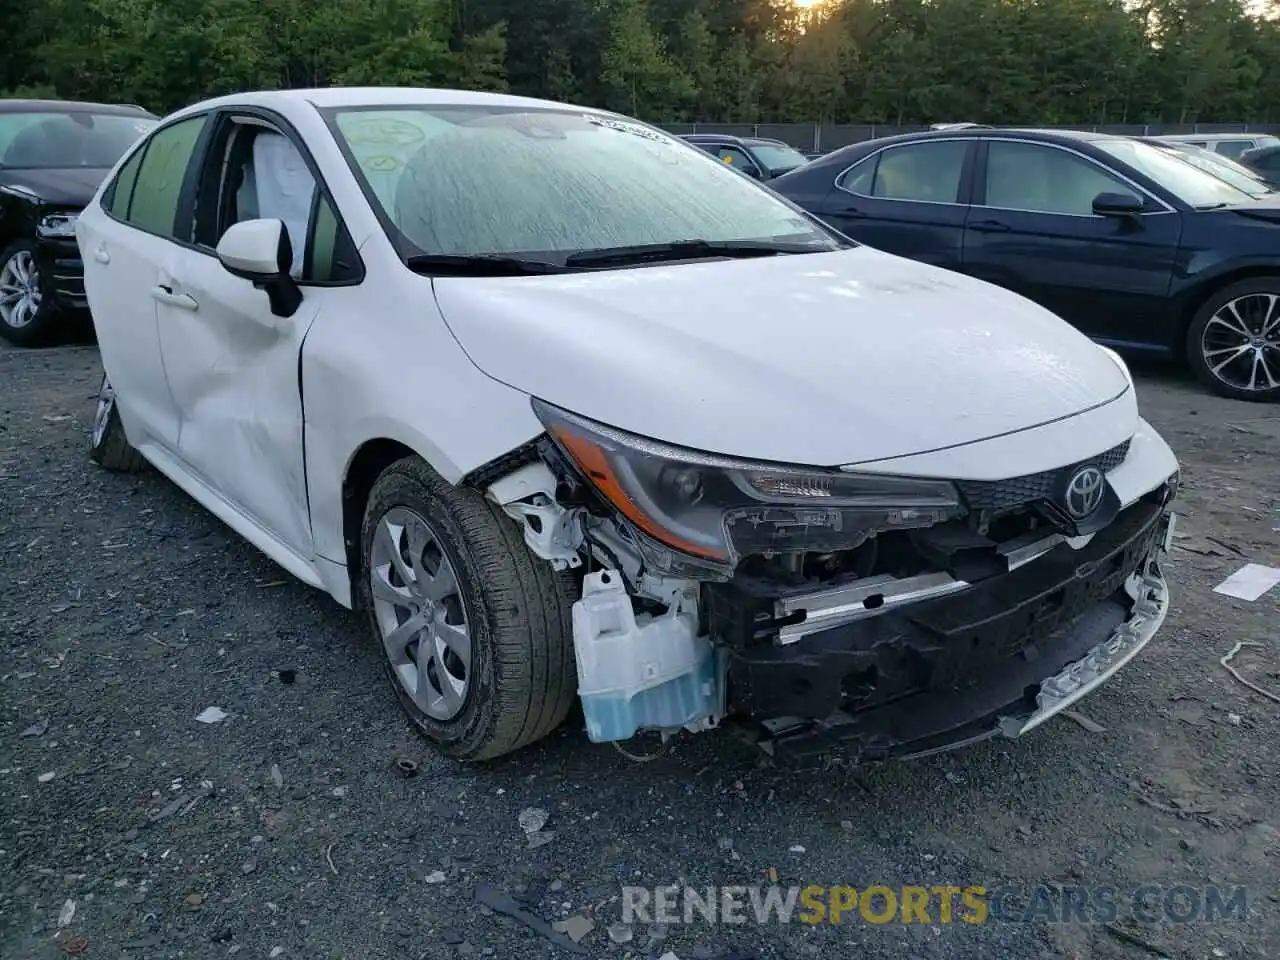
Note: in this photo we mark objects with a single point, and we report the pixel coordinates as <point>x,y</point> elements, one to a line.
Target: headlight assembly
<point>719,509</point>
<point>60,226</point>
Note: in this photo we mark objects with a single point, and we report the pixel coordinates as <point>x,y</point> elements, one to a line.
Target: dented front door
<point>233,370</point>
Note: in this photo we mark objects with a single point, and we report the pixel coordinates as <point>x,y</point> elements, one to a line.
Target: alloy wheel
<point>19,289</point>
<point>420,614</point>
<point>102,415</point>
<point>1241,342</point>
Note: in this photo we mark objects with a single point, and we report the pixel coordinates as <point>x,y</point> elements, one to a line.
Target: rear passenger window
<point>160,177</point>
<point>120,193</point>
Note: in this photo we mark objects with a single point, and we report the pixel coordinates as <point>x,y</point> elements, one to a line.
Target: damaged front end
<point>893,616</point>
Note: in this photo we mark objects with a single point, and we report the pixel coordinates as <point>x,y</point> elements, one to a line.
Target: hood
<point>1266,208</point>
<point>74,186</point>
<point>820,359</point>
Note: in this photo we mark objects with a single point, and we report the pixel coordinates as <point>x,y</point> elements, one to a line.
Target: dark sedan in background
<point>1135,247</point>
<point>757,157</point>
<point>53,156</point>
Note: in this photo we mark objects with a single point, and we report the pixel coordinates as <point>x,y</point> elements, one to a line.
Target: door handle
<point>989,226</point>
<point>180,300</point>
<point>101,255</point>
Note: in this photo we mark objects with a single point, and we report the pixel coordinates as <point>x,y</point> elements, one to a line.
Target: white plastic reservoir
<point>641,672</point>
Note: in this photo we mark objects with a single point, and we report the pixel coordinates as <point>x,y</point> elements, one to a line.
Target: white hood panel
<point>819,359</point>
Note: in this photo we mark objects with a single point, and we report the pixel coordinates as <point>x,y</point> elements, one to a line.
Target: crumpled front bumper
<point>1044,639</point>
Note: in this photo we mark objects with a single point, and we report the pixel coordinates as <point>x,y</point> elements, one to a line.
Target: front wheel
<point>26,308</point>
<point>1233,343</point>
<point>475,631</point>
<point>108,445</point>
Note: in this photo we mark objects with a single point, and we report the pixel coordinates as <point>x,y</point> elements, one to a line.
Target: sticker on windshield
<point>623,126</point>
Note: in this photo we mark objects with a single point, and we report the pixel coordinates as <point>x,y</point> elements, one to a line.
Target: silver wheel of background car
<point>1240,343</point>
<point>20,289</point>
<point>102,415</point>
<point>419,612</point>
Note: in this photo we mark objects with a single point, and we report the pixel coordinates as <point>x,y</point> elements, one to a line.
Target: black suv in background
<point>53,156</point>
<point>755,156</point>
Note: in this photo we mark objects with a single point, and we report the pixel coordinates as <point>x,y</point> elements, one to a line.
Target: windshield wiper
<point>688,249</point>
<point>479,265</point>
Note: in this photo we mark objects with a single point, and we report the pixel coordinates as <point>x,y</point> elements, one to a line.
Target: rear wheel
<point>475,630</point>
<point>108,445</point>
<point>1233,343</point>
<point>27,312</point>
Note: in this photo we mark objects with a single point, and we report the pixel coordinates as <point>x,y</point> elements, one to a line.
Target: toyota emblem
<point>1084,492</point>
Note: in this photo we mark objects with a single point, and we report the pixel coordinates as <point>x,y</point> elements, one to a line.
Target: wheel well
<point>1198,296</point>
<point>366,466</point>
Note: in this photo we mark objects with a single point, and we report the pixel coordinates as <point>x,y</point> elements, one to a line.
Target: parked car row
<point>508,376</point>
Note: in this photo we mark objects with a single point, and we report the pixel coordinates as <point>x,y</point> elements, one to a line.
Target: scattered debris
<point>276,776</point>
<point>406,768</point>
<point>339,792</point>
<point>953,777</point>
<point>211,715</point>
<point>179,806</point>
<point>435,876</point>
<point>75,946</point>
<point>37,729</point>
<point>501,903</point>
<point>67,913</point>
<point>1091,725</point>
<point>532,819</point>
<point>56,418</point>
<point>541,838</point>
<point>328,857</point>
<point>575,927</point>
<point>276,951</point>
<point>846,824</point>
<point>621,933</point>
<point>1226,662</point>
<point>1249,582</point>
<point>1120,933</point>
<point>46,777</point>
<point>795,848</point>
<point>193,899</point>
<point>1234,719</point>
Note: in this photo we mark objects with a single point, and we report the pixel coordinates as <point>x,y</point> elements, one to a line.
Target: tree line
<point>743,61</point>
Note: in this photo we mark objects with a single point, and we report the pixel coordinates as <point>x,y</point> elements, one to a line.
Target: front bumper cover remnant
<point>997,659</point>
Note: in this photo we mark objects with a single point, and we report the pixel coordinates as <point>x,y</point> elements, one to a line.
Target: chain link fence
<point>824,137</point>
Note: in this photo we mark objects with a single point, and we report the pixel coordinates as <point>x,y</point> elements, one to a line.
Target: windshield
<point>50,141</point>
<point>777,156</point>
<point>1224,168</point>
<point>1189,184</point>
<point>468,181</point>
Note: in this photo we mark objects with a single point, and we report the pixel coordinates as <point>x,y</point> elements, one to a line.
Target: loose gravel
<point>199,757</point>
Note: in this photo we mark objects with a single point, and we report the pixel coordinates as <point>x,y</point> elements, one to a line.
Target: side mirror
<point>1117,205</point>
<point>259,251</point>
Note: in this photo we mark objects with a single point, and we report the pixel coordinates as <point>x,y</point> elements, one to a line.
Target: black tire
<point>523,675</point>
<point>108,445</point>
<point>39,330</point>
<point>1201,340</point>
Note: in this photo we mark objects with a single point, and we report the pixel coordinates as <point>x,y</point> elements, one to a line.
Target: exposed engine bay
<point>804,611</point>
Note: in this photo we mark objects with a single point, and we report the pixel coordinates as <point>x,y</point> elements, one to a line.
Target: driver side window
<point>1035,178</point>
<point>264,175</point>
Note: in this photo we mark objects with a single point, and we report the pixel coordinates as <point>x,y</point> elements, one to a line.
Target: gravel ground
<point>286,830</point>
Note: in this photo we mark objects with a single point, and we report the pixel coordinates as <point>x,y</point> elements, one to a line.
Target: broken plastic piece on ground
<point>1249,582</point>
<point>532,819</point>
<point>211,715</point>
<point>636,673</point>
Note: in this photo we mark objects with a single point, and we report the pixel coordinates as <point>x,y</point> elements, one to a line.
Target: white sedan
<point>570,409</point>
